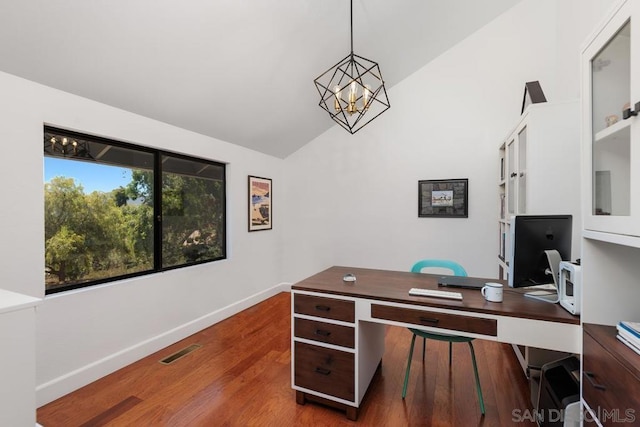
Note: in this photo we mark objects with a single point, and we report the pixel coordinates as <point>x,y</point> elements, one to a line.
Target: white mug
<point>492,292</point>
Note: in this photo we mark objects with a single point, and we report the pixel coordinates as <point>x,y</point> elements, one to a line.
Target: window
<point>116,210</point>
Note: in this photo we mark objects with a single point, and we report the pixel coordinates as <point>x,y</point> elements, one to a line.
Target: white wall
<point>577,19</point>
<point>84,334</point>
<point>352,199</point>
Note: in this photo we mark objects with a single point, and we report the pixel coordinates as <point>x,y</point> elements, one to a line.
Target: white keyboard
<point>435,294</point>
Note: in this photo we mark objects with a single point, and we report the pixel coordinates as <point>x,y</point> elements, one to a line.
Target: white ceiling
<point>238,70</point>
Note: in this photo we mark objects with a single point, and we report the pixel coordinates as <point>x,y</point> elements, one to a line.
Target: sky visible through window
<point>92,176</point>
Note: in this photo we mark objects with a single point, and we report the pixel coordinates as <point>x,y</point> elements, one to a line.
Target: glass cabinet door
<point>611,91</point>
<point>522,171</point>
<point>611,161</point>
<point>511,177</point>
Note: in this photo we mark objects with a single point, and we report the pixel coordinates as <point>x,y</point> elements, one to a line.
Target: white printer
<point>570,282</point>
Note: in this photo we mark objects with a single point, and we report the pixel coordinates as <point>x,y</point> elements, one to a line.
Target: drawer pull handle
<point>322,371</point>
<point>322,332</point>
<point>590,377</point>
<point>429,320</point>
<point>323,308</point>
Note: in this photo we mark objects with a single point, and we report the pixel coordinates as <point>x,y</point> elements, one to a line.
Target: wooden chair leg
<point>406,375</point>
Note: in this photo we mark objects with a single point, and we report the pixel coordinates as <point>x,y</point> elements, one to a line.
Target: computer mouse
<point>349,278</point>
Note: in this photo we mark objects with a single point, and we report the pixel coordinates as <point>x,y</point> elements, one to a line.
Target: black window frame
<point>157,204</point>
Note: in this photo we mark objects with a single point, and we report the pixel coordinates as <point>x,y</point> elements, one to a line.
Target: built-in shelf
<point>610,293</point>
<point>527,172</point>
<point>618,239</point>
<point>616,130</point>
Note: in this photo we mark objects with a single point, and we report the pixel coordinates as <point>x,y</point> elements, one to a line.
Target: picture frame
<point>443,198</point>
<point>260,203</point>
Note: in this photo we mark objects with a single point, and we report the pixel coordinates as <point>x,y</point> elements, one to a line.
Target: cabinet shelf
<point>617,130</point>
<point>618,239</point>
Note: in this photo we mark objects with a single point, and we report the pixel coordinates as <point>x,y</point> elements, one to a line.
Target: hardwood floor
<point>241,376</point>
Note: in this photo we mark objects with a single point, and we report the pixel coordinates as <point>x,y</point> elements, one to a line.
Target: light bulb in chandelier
<point>338,95</point>
<point>352,106</point>
<point>366,96</point>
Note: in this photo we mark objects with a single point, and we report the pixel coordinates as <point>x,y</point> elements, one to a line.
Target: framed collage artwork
<point>444,198</point>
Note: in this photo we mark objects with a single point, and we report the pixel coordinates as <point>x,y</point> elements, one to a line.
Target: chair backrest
<point>456,268</point>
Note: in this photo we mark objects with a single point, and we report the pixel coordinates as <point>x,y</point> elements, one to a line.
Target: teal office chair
<point>457,270</point>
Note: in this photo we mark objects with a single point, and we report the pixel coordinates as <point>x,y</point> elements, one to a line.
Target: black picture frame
<point>443,198</point>
<point>260,203</point>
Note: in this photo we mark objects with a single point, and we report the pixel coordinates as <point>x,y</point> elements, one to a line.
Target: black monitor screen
<point>531,235</point>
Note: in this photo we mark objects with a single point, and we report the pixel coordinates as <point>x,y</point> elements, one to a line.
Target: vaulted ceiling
<point>238,70</point>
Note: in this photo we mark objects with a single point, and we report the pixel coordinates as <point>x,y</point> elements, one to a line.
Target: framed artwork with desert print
<point>444,198</point>
<point>260,204</point>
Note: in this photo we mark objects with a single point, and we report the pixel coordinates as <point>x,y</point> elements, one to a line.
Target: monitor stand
<point>550,295</point>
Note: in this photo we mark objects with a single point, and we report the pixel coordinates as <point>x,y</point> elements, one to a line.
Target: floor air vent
<point>175,356</point>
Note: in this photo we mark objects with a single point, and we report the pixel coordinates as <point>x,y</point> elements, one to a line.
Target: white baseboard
<point>73,380</point>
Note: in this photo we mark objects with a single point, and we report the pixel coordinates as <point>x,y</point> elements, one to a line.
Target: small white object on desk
<point>435,294</point>
<point>349,278</point>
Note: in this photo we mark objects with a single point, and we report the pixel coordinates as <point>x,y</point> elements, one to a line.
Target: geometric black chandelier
<point>352,88</point>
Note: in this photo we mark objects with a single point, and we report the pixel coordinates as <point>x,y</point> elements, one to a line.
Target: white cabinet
<point>540,170</point>
<point>516,179</point>
<point>611,248</point>
<point>611,210</point>
<point>539,175</point>
<point>611,90</point>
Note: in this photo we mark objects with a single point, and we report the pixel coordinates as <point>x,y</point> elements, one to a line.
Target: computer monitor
<point>538,244</point>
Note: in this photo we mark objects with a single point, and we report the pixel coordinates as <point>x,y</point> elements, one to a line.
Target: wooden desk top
<point>393,286</point>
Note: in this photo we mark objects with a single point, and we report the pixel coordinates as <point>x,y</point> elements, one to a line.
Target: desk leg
<point>351,411</point>
<point>300,400</point>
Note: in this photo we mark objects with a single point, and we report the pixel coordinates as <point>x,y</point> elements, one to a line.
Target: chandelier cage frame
<point>360,76</point>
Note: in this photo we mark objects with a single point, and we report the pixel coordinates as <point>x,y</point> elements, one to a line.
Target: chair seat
<point>440,337</point>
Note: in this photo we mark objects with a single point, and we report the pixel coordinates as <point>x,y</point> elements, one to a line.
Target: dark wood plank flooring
<point>241,376</point>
